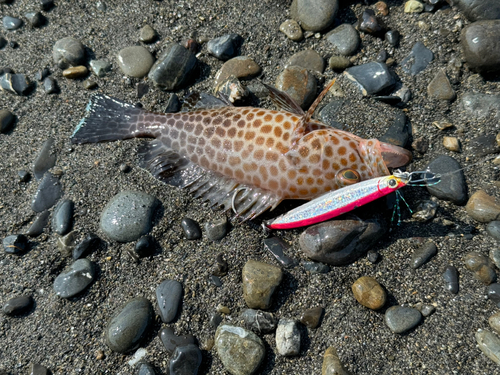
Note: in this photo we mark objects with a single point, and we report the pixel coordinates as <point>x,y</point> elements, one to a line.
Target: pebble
<point>369,23</point>
<point>100,67</point>
<point>312,317</point>
<point>425,310</point>
<point>392,37</point>
<point>171,341</point>
<point>169,297</point>
<point>381,8</point>
<point>45,160</point>
<point>259,321</point>
<point>382,56</point>
<point>15,244</point>
<point>332,364</point>
<point>489,344</point>
<point>287,338</point>
<point>90,243</point>
<point>451,143</point>
<point>63,217</point>
<point>18,305</point>
<point>369,292</point>
<point>68,52</point>
<point>37,369</point>
<point>11,23</point>
<point>308,59</point>
<point>442,124</point>
<point>66,244</point>
<point>292,30</point>
<point>423,254</point>
<point>36,228</point>
<point>495,257</point>
<point>494,322</point>
<point>399,131</point>
<point>440,88</point>
<point>483,207</point>
<point>480,106</point>
<point>185,360</point>
<point>6,120</point>
<point>35,19</point>
<point>481,267</point>
<point>191,229</point>
<point>425,211</point>
<point>278,247</point>
<point>476,10</point>
<point>89,84</point>
<point>450,277</point>
<point>420,144</point>
<point>413,6</point>
<point>242,67</point>
<point>299,83</point>
<point>130,325</point>
<point>373,256</point>
<point>339,63</point>
<point>418,59</point>
<point>46,5</point>
<point>147,34</point>
<point>400,319</point>
<point>493,229</point>
<point>48,193</point>
<point>3,43</point>
<point>216,230</point>
<point>16,84</point>
<point>221,267</point>
<point>174,68</point>
<point>344,39</point>
<point>128,216</point>
<point>215,320</point>
<point>260,280</point>
<point>452,186</point>
<point>314,15</point>
<point>146,369</point>
<point>225,47</point>
<point>50,86</point>
<point>315,267</point>
<point>340,242</point>
<point>241,351</point>
<point>75,279</point>
<point>145,246</point>
<point>371,78</point>
<point>135,61</point>
<point>494,293</point>
<point>75,72</point>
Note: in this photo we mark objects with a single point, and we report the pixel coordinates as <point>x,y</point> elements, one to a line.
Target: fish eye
<point>348,176</point>
<point>393,183</point>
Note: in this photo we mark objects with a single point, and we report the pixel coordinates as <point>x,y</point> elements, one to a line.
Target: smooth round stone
<point>147,34</point>
<point>483,207</point>
<point>6,120</point>
<point>312,317</point>
<point>146,369</point>
<point>259,321</point>
<point>314,15</point>
<point>191,229</point>
<point>494,293</point>
<point>185,360</point>
<point>450,277</point>
<point>369,23</point>
<point>68,51</point>
<point>17,305</point>
<point>35,19</point>
<point>344,39</point>
<point>392,37</point>
<point>39,224</point>
<point>100,67</point>
<point>371,78</point>
<point>171,341</point>
<point>495,257</point>
<point>489,344</point>
<point>63,217</point>
<point>369,292</point>
<point>50,86</point>
<point>48,193</point>
<point>216,230</point>
<point>225,47</point>
<point>339,63</point>
<point>145,246</point>
<point>174,67</point>
<point>452,185</point>
<point>476,10</point>
<point>242,67</point>
<point>128,328</point>
<point>423,254</point>
<point>75,279</point>
<point>308,59</point>
<point>75,72</point>
<point>418,59</point>
<point>292,30</point>
<point>86,246</point>
<point>413,6</point>
<point>169,297</point>
<point>15,244</point>
<point>481,266</point>
<point>260,280</point>
<point>480,106</point>
<point>287,338</point>
<point>440,88</point>
<point>135,61</point>
<point>45,160</point>
<point>382,56</point>
<point>11,23</point>
<point>128,216</point>
<point>399,131</point>
<point>332,364</point>
<point>494,322</point>
<point>241,351</point>
<point>339,242</point>
<point>400,319</point>
<point>315,267</point>
<point>299,83</point>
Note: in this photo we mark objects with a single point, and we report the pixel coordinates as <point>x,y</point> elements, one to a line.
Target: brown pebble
<point>311,317</point>
<point>420,145</point>
<point>99,355</point>
<point>481,267</point>
<point>451,143</point>
<point>75,72</point>
<point>331,363</point>
<point>369,293</point>
<point>482,207</point>
<point>381,8</point>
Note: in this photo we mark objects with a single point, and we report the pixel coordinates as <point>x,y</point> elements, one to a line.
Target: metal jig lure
<point>340,201</point>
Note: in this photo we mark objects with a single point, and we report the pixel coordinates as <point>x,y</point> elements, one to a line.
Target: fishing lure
<point>338,202</point>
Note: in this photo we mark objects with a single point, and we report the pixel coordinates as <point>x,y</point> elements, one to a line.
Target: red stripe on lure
<point>344,200</point>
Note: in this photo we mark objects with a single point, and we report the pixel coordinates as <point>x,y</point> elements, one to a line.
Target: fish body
<point>242,157</point>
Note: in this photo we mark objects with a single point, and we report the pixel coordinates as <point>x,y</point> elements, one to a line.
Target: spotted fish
<point>246,158</point>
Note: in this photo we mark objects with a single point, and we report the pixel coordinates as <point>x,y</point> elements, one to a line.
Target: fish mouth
<point>394,156</point>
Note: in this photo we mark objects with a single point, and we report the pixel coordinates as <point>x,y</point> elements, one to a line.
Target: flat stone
<point>259,321</point>
<point>75,279</point>
<point>11,23</point>
<point>483,207</point>
<point>315,267</point>
<point>440,88</point>
<point>278,247</point>
<point>476,10</point>
<point>299,83</point>
<point>292,30</point>
<point>225,47</point>
<point>452,186</point>
<point>344,39</point>
<point>90,243</point>
<point>481,47</point>
<point>287,338</point>
<point>62,219</point>
<point>493,229</point>
<point>481,267</point>
<point>371,78</point>
<point>75,72</point>
<point>314,15</point>
<point>401,319</point>
<point>450,277</point>
<point>128,216</point>
<point>15,244</point>
<point>48,193</point>
<point>171,341</point>
<point>174,68</point>
<point>147,34</point>
<point>451,143</point>
<point>100,67</point>
<point>37,369</point>
<point>127,329</point>
<point>185,360</point>
<point>480,106</point>
<point>332,364</point>
<point>135,61</point>
<point>6,120</point>
<point>17,305</point>
<point>242,67</point>
<point>308,59</point>
<point>216,230</point>
<point>45,160</point>
<point>423,254</point>
<point>68,52</point>
<point>36,228</point>
<point>312,317</point>
<point>241,351</point>
<point>169,297</point>
<point>489,344</point>
<point>418,59</point>
<point>494,322</point>
<point>191,229</point>
<point>260,280</point>
<point>369,292</point>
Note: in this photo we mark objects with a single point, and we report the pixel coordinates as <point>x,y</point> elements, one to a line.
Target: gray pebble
<point>494,293</point>
<point>452,186</point>
<point>185,360</point>
<point>68,52</point>
<point>418,59</point>
<point>171,341</point>
<point>75,279</point>
<point>62,219</point>
<point>225,47</point>
<point>215,320</point>
<point>221,266</point>
<point>215,280</point>
<point>440,87</point>
<point>399,130</point>
<point>147,34</point>
<point>45,160</point>
<point>191,229</point>
<point>216,230</point>
<point>278,247</point>
<point>423,254</point>
<point>173,68</point>
<point>259,321</point>
<point>48,193</point>
<point>292,30</point>
<point>169,298</point>
<point>369,23</point>
<point>173,104</point>
<point>371,78</point>
<point>450,277</point>
<point>50,86</point>
<point>17,84</point>
<point>382,56</point>
<point>39,224</point>
<point>315,268</point>
<point>425,310</point>
<point>299,83</point>
<point>329,114</point>
<point>401,319</point>
<point>344,39</point>
<point>135,61</point>
<point>479,106</point>
<point>15,244</point>
<point>35,19</point>
<point>11,23</point>
<point>145,246</point>
<point>86,246</point>
<point>146,369</point>
<point>392,37</point>
<point>372,256</point>
<point>100,67</point>
<point>287,338</point>
<point>6,120</point>
<point>308,59</point>
<point>314,15</point>
<point>489,344</point>
<point>17,305</point>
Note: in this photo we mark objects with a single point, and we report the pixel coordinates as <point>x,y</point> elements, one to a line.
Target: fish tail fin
<point>110,119</point>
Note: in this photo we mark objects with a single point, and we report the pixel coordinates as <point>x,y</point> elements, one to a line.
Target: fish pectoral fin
<point>283,101</point>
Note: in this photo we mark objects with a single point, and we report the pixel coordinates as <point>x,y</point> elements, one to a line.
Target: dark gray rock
<point>308,59</point>
<point>48,193</point>
<point>278,247</point>
<point>6,120</point>
<point>35,19</point>
<point>174,104</point>
<point>39,223</point>
<point>191,229</point>
<point>225,47</point>
<point>399,131</point>
<point>493,229</point>
<point>369,23</point>
<point>311,317</point>
<point>450,277</point>
<point>423,254</point>
<point>37,369</point>
<point>145,246</point>
<point>476,10</point>
<point>17,305</point>
<point>169,298</point>
<point>68,52</point>
<point>371,78</point>
<point>216,230</point>
<point>259,321</point>
<point>15,244</point>
<point>344,39</point>
<point>42,74</point>
<point>315,268</point>
<point>314,15</point>
<point>401,319</point>
<point>418,59</point>
<point>128,328</point>
<point>50,86</point>
<point>75,279</point>
<point>146,369</point>
<point>171,341</point>
<point>62,219</point>
<point>452,186</point>
<point>392,37</point>
<point>483,145</point>
<point>88,244</point>
<point>329,114</point>
<point>185,360</point>
<point>45,160</point>
<point>17,84</point>
<point>481,46</point>
<point>11,23</point>
<point>215,280</point>
<point>494,293</point>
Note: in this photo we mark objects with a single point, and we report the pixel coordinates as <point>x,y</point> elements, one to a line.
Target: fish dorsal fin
<point>283,101</point>
<point>318,100</point>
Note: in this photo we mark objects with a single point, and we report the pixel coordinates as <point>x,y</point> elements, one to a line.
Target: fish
<point>246,158</point>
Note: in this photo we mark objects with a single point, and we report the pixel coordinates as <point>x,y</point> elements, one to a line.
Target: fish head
<point>379,156</point>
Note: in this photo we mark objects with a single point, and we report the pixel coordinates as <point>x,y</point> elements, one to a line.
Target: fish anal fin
<point>283,101</point>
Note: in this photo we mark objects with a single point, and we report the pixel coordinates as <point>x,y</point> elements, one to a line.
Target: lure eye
<point>393,183</point>
<point>348,177</point>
